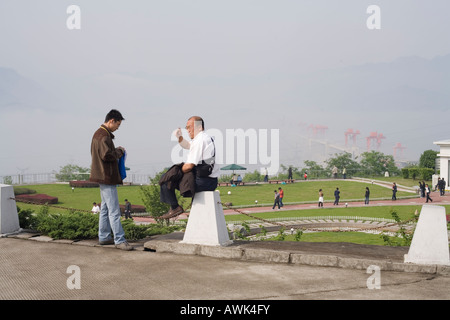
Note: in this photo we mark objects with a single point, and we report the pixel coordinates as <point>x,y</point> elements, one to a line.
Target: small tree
<point>150,195</point>
<point>428,159</point>
<point>378,163</point>
<point>72,172</point>
<point>341,161</point>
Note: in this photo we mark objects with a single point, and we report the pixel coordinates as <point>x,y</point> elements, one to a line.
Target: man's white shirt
<point>201,148</point>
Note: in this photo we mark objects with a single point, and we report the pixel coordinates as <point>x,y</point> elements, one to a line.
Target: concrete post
<point>9,219</point>
<point>206,224</point>
<point>430,241</point>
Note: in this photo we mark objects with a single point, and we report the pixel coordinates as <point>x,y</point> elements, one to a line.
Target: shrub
<point>83,184</point>
<point>26,218</point>
<point>37,198</point>
<point>405,173</point>
<point>72,226</point>
<point>82,225</point>
<point>426,173</point>
<point>21,190</point>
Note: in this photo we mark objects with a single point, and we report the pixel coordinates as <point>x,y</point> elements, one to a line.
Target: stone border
<point>287,257</point>
<point>241,253</point>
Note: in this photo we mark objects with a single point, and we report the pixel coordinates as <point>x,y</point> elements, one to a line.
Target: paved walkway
<point>38,267</point>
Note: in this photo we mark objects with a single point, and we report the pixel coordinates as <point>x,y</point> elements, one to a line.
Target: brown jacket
<point>104,166</point>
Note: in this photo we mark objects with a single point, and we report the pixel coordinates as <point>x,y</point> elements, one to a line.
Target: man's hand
<point>187,167</point>
<point>178,133</point>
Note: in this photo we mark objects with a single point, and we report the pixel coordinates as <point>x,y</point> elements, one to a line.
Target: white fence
<point>43,178</point>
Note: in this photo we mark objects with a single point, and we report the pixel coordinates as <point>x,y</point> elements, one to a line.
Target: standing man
<point>367,195</point>
<point>281,192</point>
<point>200,161</point>
<point>394,191</point>
<point>127,209</point>
<point>427,190</point>
<point>276,200</point>
<point>336,197</point>
<point>105,171</point>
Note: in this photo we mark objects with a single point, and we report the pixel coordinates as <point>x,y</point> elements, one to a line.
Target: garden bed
<point>37,198</point>
<point>83,184</point>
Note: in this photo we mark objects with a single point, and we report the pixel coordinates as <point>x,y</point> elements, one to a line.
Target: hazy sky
<point>233,62</point>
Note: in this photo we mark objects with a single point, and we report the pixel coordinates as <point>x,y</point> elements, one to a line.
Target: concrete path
<point>41,270</point>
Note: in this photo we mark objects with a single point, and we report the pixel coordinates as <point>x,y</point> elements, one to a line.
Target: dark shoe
<point>106,242</point>
<point>173,213</point>
<point>124,246</point>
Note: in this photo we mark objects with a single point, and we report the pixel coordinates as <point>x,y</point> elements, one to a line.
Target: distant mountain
<point>17,91</point>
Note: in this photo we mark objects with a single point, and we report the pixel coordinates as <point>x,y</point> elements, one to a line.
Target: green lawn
<point>353,237</point>
<point>82,198</point>
<point>307,191</point>
<point>404,212</point>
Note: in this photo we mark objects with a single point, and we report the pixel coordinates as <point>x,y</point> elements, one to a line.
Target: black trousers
<point>201,184</point>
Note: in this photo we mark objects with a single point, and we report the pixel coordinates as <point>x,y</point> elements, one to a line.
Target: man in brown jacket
<point>105,171</point>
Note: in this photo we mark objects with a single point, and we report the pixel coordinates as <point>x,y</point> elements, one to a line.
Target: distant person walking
<point>128,210</point>
<point>427,190</point>
<point>441,186</point>
<point>394,191</point>
<point>422,189</point>
<point>320,198</point>
<point>281,192</point>
<point>366,196</point>
<point>337,195</point>
<point>290,173</point>
<point>334,172</point>
<point>276,200</point>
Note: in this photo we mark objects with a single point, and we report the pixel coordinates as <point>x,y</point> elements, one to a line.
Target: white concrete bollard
<point>9,219</point>
<point>206,224</point>
<point>430,240</point>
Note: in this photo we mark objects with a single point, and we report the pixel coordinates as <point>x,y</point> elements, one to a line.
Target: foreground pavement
<point>60,271</point>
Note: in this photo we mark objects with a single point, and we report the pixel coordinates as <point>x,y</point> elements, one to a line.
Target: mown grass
<point>305,191</point>
<point>353,237</point>
<point>404,212</point>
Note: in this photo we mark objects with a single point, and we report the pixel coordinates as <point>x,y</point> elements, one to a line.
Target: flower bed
<point>83,184</point>
<point>37,198</point>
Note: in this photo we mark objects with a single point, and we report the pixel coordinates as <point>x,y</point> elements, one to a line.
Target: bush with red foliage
<point>37,198</point>
<point>83,184</point>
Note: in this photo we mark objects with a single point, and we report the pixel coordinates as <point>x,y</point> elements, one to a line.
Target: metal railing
<point>44,178</point>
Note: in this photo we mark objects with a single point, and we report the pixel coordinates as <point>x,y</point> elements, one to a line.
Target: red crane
<point>351,134</point>
<point>376,138</point>
<point>398,147</point>
<point>318,129</point>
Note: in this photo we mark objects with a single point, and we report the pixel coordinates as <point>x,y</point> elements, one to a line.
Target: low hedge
<point>81,225</point>
<point>417,173</point>
<point>37,198</point>
<point>83,184</point>
<point>21,190</point>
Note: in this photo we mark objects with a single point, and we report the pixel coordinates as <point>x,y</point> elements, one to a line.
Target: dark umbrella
<point>233,167</point>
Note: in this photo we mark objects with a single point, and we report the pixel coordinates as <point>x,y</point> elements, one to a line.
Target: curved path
<point>437,200</point>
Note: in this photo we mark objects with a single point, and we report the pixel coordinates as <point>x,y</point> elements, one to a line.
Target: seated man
<point>200,162</point>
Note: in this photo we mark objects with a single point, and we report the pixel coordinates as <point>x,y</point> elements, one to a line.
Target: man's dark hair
<point>114,114</point>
